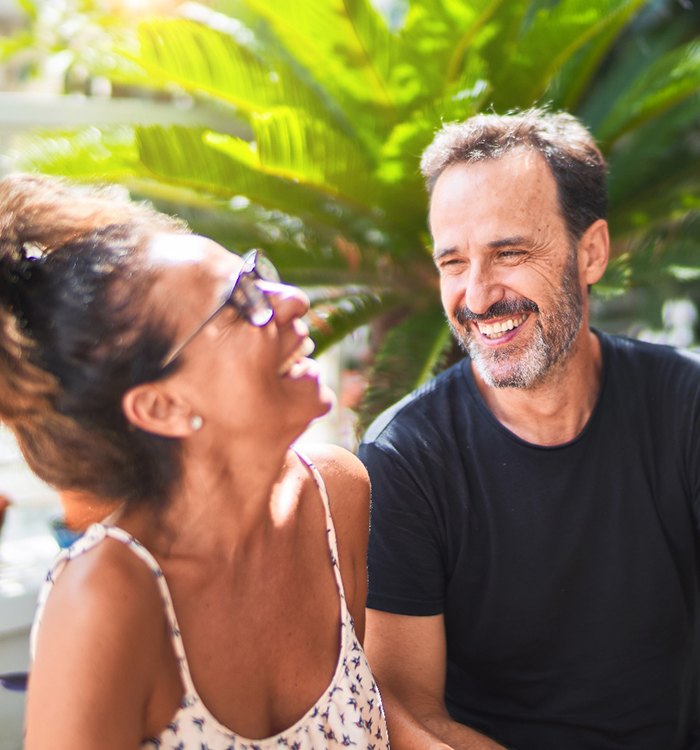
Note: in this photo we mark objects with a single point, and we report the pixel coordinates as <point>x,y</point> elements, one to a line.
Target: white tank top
<point>349,713</point>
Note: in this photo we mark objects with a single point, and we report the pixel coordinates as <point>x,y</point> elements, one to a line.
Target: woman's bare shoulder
<point>98,633</point>
<point>337,465</point>
<point>347,484</point>
<point>105,597</point>
<point>108,575</point>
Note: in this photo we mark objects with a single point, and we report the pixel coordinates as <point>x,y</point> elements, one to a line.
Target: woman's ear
<point>152,409</point>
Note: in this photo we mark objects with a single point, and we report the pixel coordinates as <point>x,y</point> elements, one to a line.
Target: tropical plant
<point>339,102</point>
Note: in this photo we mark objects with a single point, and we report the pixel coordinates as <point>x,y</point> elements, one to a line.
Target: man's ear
<point>594,252</point>
<point>152,409</point>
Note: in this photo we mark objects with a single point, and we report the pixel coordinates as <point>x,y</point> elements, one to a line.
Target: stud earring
<point>196,422</point>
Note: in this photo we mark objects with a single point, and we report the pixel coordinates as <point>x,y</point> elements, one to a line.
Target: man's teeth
<point>305,348</point>
<point>492,330</point>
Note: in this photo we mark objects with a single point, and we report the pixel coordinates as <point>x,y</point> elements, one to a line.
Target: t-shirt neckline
<point>481,404</point>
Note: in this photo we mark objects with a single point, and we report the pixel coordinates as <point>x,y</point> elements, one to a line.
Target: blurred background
<point>297,126</point>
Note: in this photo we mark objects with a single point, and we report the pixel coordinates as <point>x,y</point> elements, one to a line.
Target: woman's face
<point>237,376</point>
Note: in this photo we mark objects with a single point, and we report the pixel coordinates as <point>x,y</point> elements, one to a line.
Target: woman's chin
<point>328,399</point>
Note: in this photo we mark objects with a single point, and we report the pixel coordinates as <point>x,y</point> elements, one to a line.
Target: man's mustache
<point>499,309</point>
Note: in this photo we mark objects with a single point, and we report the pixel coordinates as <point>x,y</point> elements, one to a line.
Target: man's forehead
<point>503,184</point>
<point>526,162</point>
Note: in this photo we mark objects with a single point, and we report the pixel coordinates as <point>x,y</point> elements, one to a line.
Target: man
<point>534,578</point>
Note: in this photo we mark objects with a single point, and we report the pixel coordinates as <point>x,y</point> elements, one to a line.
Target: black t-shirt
<point>568,576</point>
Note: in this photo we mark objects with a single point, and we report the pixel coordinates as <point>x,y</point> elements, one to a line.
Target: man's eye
<point>450,263</point>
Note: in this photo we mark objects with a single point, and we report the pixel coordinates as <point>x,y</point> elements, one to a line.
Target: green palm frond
<point>579,71</point>
<point>291,143</point>
<point>224,166</point>
<point>672,253</point>
<point>664,84</point>
<point>407,356</point>
<point>666,257</point>
<point>217,165</point>
<point>350,37</point>
<point>29,7</point>
<point>11,45</point>
<point>617,278</point>
<point>337,313</point>
<point>663,184</point>
<point>219,61</point>
<point>444,35</point>
<point>547,40</point>
<point>91,153</point>
<point>206,61</point>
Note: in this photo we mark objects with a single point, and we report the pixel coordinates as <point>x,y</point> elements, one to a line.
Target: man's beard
<point>524,366</point>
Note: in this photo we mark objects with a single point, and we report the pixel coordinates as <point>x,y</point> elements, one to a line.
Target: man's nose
<point>481,289</point>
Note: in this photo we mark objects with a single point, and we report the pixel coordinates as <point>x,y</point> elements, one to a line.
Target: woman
<point>143,364</point>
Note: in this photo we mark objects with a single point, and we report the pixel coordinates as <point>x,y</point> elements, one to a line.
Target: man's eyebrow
<point>510,242</point>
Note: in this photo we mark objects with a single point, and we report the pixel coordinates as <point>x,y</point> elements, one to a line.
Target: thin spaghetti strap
<point>93,536</point>
<point>330,528</point>
<point>138,549</point>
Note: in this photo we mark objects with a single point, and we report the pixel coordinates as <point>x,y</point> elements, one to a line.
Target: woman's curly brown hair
<point>76,334</point>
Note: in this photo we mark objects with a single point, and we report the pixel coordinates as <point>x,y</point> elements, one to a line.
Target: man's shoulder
<point>425,405</point>
<point>664,378</point>
<point>652,357</point>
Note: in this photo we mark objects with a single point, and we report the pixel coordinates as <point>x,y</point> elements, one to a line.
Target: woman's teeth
<point>292,365</point>
<point>493,330</point>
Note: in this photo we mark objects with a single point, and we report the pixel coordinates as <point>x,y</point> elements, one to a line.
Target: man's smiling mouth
<point>494,330</point>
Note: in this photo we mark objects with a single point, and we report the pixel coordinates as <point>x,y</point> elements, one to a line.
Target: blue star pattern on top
<point>349,713</point>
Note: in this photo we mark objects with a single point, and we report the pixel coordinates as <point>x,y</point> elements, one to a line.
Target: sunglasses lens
<point>265,269</point>
<point>251,301</point>
<point>260,315</point>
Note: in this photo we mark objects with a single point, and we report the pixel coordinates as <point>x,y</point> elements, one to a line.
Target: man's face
<point>509,276</point>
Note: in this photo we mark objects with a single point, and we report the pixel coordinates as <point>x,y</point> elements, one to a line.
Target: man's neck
<point>555,411</point>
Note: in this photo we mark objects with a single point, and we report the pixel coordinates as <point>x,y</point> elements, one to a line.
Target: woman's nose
<point>288,302</point>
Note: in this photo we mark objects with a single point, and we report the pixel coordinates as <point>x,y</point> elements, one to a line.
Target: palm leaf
<point>407,357</point>
<point>443,36</point>
<point>335,316</point>
<point>218,61</point>
<point>30,7</point>
<point>652,189</point>
<point>665,258</point>
<point>349,36</point>
<point>223,167</point>
<point>665,83</point>
<point>617,278</point>
<point>293,144</point>
<point>579,71</point>
<point>11,45</point>
<point>90,153</point>
<point>671,253</point>
<point>547,41</point>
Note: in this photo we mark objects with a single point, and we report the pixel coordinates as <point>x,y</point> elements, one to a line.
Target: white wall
<point>26,549</point>
<point>17,613</point>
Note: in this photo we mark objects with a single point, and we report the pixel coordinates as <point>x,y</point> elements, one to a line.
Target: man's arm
<point>407,655</point>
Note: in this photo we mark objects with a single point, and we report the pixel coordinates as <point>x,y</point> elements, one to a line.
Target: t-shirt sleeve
<point>406,565</point>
